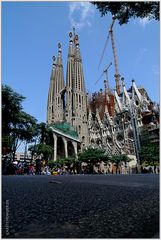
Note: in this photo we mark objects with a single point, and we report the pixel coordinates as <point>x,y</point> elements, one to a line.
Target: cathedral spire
<point>117,101</point>
<point>55,99</point>
<point>70,50</point>
<point>51,92</point>
<point>135,90</point>
<point>60,73</point>
<point>74,31</point>
<point>59,59</point>
<point>70,80</point>
<point>77,49</point>
<point>76,98</point>
<point>125,93</point>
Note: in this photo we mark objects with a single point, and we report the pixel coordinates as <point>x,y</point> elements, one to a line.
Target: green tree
<point>41,149</point>
<point>43,146</point>
<point>17,126</point>
<point>77,165</point>
<point>69,162</point>
<point>43,132</point>
<point>119,159</point>
<point>23,131</point>
<point>52,164</point>
<point>123,11</point>
<point>149,155</point>
<point>144,136</point>
<point>92,156</point>
<point>60,163</point>
<point>11,107</point>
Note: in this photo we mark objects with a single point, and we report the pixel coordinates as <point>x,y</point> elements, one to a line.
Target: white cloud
<point>81,14</point>
<point>144,21</point>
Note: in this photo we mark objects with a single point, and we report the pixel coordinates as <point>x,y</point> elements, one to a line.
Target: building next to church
<point>109,120</point>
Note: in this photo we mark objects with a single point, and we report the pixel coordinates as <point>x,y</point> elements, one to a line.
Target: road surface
<point>81,206</point>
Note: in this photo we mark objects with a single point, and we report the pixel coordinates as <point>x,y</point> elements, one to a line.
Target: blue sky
<point>30,35</point>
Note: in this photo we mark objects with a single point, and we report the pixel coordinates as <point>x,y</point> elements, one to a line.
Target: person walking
<point>38,166</point>
<point>31,169</point>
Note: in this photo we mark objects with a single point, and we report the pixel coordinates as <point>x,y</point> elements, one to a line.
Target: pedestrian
<point>19,168</point>
<point>26,168</point>
<point>31,169</point>
<point>38,166</point>
<point>155,169</point>
<point>150,170</point>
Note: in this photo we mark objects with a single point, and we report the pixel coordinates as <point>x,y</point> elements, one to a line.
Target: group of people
<point>22,168</point>
<point>28,168</point>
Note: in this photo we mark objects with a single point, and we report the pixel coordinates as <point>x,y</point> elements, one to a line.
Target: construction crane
<point>117,75</point>
<point>105,72</point>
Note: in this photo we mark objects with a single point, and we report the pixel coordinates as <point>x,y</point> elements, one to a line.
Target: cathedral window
<point>78,78</point>
<point>69,75</point>
<point>130,134</point>
<point>92,141</point>
<point>76,99</point>
<point>69,96</point>
<point>137,103</point>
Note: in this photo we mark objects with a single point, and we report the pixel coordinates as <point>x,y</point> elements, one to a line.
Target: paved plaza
<point>81,206</point>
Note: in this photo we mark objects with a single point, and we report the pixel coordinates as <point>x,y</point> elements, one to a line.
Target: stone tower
<point>74,110</point>
<point>50,103</point>
<point>76,97</point>
<point>55,106</point>
<point>69,81</point>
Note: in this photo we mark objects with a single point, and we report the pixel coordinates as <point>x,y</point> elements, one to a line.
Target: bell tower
<point>55,107</point>
<point>76,97</point>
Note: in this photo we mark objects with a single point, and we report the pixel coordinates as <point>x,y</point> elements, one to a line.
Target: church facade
<point>109,120</point>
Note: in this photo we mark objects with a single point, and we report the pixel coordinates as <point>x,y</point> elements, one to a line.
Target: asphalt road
<point>81,206</point>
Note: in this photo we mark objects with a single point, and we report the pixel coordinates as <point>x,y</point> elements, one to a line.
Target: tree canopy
<point>44,142</point>
<point>11,107</point>
<point>149,154</point>
<point>41,148</point>
<point>123,11</point>
<point>17,125</point>
<point>92,156</point>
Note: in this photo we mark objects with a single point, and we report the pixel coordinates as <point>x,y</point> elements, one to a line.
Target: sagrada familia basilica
<point>109,120</point>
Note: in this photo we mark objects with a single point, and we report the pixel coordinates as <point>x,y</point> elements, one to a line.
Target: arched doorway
<point>78,147</point>
<point>70,147</point>
<point>60,148</point>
